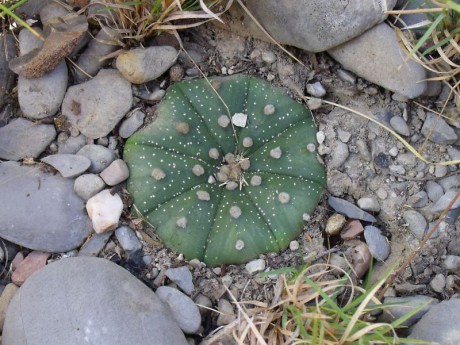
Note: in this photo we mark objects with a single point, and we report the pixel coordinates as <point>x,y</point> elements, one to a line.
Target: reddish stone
<point>352,229</point>
<point>17,260</point>
<point>32,263</point>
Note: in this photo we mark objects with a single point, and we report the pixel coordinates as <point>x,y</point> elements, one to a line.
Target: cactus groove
<point>226,192</point>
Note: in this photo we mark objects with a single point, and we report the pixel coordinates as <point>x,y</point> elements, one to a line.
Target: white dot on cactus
<point>247,142</point>
<point>306,217</point>
<point>198,170</point>
<point>276,153</point>
<point>256,180</point>
<point>240,119</point>
<point>311,147</point>
<point>239,245</point>
<point>182,127</point>
<point>213,153</point>
<point>203,195</point>
<point>181,222</point>
<point>269,109</point>
<point>284,197</point>
<point>158,174</point>
<point>231,185</point>
<point>223,121</point>
<point>235,212</point>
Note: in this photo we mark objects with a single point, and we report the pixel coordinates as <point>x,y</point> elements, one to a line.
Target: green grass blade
<point>8,12</point>
<point>427,34</point>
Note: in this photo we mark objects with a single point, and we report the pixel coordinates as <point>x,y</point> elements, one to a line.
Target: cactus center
<point>231,172</point>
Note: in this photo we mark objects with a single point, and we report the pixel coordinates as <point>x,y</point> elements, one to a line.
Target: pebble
<point>40,97</point>
<point>182,277</point>
<point>255,266</point>
<point>348,209</point>
<point>5,299</point>
<point>294,245</point>
<point>268,57</point>
<point>399,125</point>
<point>141,65</point>
<point>438,283</point>
<point>104,210</point>
<point>22,138</point>
<point>418,200</point>
<point>128,240</point>
<point>363,150</point>
<point>339,155</point>
<point>397,169</point>
<point>346,76</point>
<point>227,314</point>
<point>453,153</point>
<point>314,103</point>
<point>369,204</point>
<point>95,244</point>
<point>393,152</point>
<point>381,193</point>
<point>439,324</point>
<point>359,255</point>
<point>95,301</point>
<point>401,306</point>
<point>416,223</point>
<point>96,109</point>
<point>365,57</point>
<point>335,224</point>
<point>316,90</point>
<point>440,171</point>
<point>67,164</point>
<point>88,185</point>
<point>183,309</point>
<point>101,157</point>
<point>351,230</point>
<point>55,222</point>
<point>445,200</point>
<point>31,264</point>
<point>377,243</point>
<point>129,126</point>
<point>450,182</point>
<point>442,133</point>
<point>452,263</point>
<point>115,173</point>
<point>204,304</point>
<point>71,145</point>
<point>434,191</point>
<point>344,136</point>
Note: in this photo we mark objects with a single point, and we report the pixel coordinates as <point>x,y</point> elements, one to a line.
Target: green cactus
<point>217,191</point>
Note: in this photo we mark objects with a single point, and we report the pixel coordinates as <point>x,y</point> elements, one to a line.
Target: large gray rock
<point>40,211</point>
<point>439,324</point>
<point>40,97</point>
<point>96,106</point>
<point>86,300</point>
<point>313,25</point>
<point>22,138</point>
<point>385,67</point>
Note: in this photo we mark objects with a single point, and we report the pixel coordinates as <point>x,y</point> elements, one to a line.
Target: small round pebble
<point>115,173</point>
<point>294,245</point>
<point>231,185</point>
<point>131,124</point>
<point>382,160</point>
<point>255,266</point>
<point>416,223</point>
<point>88,185</point>
<point>399,125</point>
<point>335,224</point>
<point>316,89</point>
<point>370,204</point>
<point>377,243</point>
<point>438,283</point>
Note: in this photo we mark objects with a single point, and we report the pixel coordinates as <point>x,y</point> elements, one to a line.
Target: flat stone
<point>72,144</point>
<point>339,155</point>
<point>438,283</point>
<point>101,157</point>
<point>95,244</point>
<point>365,57</point>
<point>416,223</point>
<point>95,109</point>
<point>40,97</point>
<point>104,209</point>
<point>5,299</point>
<point>255,266</point>
<point>7,52</point>
<point>316,90</point>
<point>442,133</point>
<point>369,203</point>
<point>68,165</point>
<point>128,240</point>
<point>445,200</point>
<point>404,305</point>
<point>131,124</point>
<point>434,191</point>
<point>399,125</point>
<point>55,222</point>
<point>348,209</point>
<point>22,138</point>
<point>182,277</point>
<point>95,302</point>
<point>439,324</point>
<point>115,173</point>
<point>88,185</point>
<point>183,309</point>
<point>31,264</point>
<point>377,243</point>
<point>141,65</point>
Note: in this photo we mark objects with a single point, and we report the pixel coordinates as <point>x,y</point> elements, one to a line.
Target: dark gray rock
<point>100,157</point>
<point>88,185</point>
<point>348,209</point>
<point>434,190</point>
<point>131,124</point>
<point>377,243</point>
<point>40,211</point>
<point>95,244</point>
<point>182,277</point>
<point>404,305</point>
<point>7,52</point>
<point>442,133</point>
<point>68,165</point>
<point>416,223</point>
<point>128,240</point>
<point>86,300</point>
<point>22,138</point>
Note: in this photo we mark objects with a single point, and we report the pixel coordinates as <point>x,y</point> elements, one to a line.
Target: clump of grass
<point>10,18</point>
<point>138,20</point>
<point>311,306</point>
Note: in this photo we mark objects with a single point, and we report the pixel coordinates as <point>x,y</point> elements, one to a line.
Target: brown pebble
<point>31,264</point>
<point>352,229</point>
<point>176,72</point>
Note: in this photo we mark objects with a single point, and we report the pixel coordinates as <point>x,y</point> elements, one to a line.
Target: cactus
<point>228,170</point>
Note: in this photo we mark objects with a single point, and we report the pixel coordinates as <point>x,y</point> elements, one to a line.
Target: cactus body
<point>219,191</point>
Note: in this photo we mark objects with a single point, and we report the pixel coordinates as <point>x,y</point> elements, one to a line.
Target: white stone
<point>294,245</point>
<point>320,137</point>
<point>104,210</point>
<point>240,119</point>
<point>255,266</point>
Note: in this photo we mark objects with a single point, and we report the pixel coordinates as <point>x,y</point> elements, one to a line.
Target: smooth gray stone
<point>404,305</point>
<point>348,209</point>
<point>131,124</point>
<point>445,200</point>
<point>416,222</point>
<point>68,165</point>
<point>439,324</point>
<point>377,243</point>
<point>40,211</point>
<point>182,277</point>
<point>95,244</point>
<point>434,190</point>
<point>22,138</point>
<point>85,300</point>
<point>88,185</point>
<point>96,106</point>
<point>100,157</point>
<point>450,182</point>
<point>339,155</point>
<point>72,145</point>
<point>40,97</point>
<point>7,52</point>
<point>365,57</point>
<point>183,309</point>
<point>399,125</point>
<point>442,133</point>
<point>128,240</point>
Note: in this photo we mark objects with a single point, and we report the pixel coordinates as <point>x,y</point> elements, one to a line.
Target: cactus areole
<point>226,171</point>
